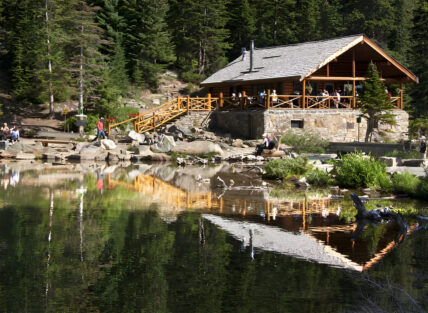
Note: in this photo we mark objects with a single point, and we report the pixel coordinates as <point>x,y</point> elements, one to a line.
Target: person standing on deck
<point>423,148</point>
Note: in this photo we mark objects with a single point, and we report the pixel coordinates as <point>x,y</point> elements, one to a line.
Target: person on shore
<point>100,129</point>
<point>263,145</point>
<point>5,131</point>
<point>423,148</point>
<point>14,134</point>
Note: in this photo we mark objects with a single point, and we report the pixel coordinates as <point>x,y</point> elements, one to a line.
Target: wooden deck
<point>162,114</point>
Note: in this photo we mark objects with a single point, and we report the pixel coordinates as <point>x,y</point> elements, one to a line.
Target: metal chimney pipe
<point>251,55</point>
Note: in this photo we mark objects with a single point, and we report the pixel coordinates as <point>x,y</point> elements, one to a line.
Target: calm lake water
<point>158,238</point>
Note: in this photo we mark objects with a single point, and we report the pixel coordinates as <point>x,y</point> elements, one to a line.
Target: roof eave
<point>334,56</point>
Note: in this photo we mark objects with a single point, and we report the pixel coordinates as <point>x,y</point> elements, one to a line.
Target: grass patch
<point>283,168</point>
<point>405,183</point>
<point>319,178</point>
<point>304,143</point>
<point>408,154</point>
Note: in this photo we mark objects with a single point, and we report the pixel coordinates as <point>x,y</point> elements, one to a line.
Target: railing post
<point>153,121</point>
<point>221,100</point>
<point>268,100</point>
<point>304,94</point>
<point>188,105</point>
<point>108,129</point>
<point>244,94</point>
<point>209,102</point>
<point>138,122</point>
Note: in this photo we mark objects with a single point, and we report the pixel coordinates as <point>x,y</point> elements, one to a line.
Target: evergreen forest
<point>99,51</point>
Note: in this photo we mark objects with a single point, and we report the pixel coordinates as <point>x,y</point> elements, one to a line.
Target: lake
<point>161,238</point>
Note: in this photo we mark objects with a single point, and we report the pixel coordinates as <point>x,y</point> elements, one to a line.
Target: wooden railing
<point>162,114</point>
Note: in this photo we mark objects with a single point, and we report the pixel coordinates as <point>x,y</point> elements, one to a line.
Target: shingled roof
<point>291,61</point>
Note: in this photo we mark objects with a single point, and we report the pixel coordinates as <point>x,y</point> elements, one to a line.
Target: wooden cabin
<point>298,74</point>
<point>301,82</point>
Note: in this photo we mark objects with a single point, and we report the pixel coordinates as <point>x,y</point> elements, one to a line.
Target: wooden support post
<point>139,120</point>
<point>209,102</point>
<point>268,100</point>
<point>108,129</point>
<point>244,94</point>
<point>153,121</point>
<point>304,94</point>
<point>328,69</point>
<point>188,105</point>
<point>401,96</point>
<point>135,125</point>
<point>354,100</point>
<point>221,100</point>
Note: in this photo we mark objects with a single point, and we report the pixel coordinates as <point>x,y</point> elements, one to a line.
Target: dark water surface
<point>155,238</point>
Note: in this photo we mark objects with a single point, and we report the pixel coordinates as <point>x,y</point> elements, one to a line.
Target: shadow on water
<point>157,238</point>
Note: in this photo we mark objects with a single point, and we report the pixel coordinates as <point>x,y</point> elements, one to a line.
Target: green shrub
<point>355,170</point>
<point>405,183</point>
<point>304,143</point>
<point>422,190</point>
<point>70,124</point>
<point>282,168</point>
<point>408,154</point>
<point>319,178</point>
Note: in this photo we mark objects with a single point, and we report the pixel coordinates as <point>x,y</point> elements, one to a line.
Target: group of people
<point>7,133</point>
<point>336,96</point>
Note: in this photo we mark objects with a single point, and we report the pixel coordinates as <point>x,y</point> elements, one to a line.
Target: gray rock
<point>25,156</point>
<point>197,147</point>
<point>93,152</point>
<point>133,135</point>
<point>237,143</point>
<point>413,162</point>
<point>389,161</point>
<point>165,144</point>
<point>108,144</point>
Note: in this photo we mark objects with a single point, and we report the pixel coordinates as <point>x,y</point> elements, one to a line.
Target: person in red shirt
<point>100,129</point>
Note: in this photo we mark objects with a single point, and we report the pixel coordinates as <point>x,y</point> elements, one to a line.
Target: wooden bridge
<point>162,114</point>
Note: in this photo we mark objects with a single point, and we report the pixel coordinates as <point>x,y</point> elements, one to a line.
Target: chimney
<point>251,55</point>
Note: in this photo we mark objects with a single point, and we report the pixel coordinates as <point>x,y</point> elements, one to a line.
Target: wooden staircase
<point>162,114</point>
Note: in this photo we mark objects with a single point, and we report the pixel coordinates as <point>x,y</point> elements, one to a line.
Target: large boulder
<point>197,147</point>
<point>108,144</point>
<point>133,135</point>
<point>165,144</point>
<point>91,152</point>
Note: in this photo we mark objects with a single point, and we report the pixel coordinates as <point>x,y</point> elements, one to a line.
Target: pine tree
<point>25,45</point>
<point>307,18</point>
<point>276,22</point>
<point>419,59</point>
<point>241,25</point>
<point>375,105</point>
<point>200,36</point>
<point>147,41</point>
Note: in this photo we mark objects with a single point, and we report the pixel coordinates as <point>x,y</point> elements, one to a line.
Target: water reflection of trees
<point>133,261</point>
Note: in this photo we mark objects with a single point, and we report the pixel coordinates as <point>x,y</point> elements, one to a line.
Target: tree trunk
<point>80,111</point>
<point>51,95</point>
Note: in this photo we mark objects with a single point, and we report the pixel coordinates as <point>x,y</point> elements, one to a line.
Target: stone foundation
<point>332,125</point>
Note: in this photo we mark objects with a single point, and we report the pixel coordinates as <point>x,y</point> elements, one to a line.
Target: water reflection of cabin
<point>299,72</point>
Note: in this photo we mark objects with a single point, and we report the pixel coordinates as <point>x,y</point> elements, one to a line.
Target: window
<point>296,123</point>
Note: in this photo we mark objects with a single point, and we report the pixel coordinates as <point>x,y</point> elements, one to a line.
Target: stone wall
<point>332,125</point>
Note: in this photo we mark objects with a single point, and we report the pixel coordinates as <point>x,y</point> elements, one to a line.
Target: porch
<point>296,101</point>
